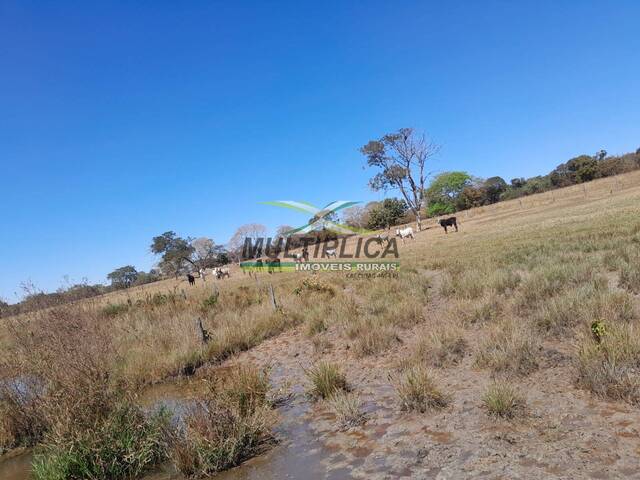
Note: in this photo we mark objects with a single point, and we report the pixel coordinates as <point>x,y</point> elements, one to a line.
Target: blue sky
<point>121,120</point>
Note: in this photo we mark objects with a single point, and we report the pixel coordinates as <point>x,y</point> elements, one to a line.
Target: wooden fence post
<point>272,295</point>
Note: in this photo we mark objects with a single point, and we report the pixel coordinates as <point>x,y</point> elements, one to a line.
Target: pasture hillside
<point>510,348</point>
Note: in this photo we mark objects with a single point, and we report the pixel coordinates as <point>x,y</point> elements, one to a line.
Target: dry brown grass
<point>509,347</point>
<point>418,390</point>
<point>517,275</point>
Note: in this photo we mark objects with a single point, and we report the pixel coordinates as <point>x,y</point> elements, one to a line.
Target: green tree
<point>401,158</point>
<point>444,190</point>
<point>176,252</point>
<point>386,213</point>
<point>493,188</point>
<point>123,277</point>
<point>583,168</point>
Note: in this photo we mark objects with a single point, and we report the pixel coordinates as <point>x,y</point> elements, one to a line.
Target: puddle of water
<point>16,466</point>
<point>300,454</point>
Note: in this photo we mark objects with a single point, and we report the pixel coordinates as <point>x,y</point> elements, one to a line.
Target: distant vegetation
<point>400,159</point>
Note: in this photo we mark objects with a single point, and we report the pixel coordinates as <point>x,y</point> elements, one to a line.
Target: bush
<point>211,301</point>
<point>229,426</point>
<point>122,444</point>
<point>115,309</point>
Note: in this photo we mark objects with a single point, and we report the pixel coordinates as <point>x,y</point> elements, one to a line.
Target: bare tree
<point>401,157</point>
<point>282,230</point>
<point>204,250</point>
<point>356,216</point>
<point>250,230</point>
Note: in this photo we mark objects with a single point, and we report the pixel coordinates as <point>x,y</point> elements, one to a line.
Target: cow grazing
<point>330,252</point>
<point>405,233</point>
<point>273,265</point>
<point>191,279</point>
<point>449,222</point>
<point>222,272</point>
<point>381,239</point>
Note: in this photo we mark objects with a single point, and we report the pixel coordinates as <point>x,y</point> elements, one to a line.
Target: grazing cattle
<point>191,278</point>
<point>222,272</point>
<point>302,256</point>
<point>274,264</point>
<point>380,239</point>
<point>202,274</point>
<point>405,233</point>
<point>449,222</point>
<point>330,252</point>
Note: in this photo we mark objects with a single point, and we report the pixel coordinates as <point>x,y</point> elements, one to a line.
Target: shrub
<point>211,301</point>
<point>314,285</point>
<point>502,400</point>
<point>326,380</point>
<point>230,425</point>
<point>115,309</point>
<point>418,390</point>
<point>122,444</point>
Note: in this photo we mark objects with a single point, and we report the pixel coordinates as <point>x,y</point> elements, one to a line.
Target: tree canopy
<point>401,159</point>
<point>123,277</point>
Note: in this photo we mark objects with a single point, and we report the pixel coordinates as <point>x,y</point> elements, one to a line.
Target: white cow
<point>330,252</point>
<point>404,233</point>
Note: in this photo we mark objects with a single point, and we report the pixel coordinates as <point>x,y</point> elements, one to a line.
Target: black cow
<point>448,222</point>
<point>191,278</point>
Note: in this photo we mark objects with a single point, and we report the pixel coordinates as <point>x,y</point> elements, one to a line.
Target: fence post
<point>272,295</point>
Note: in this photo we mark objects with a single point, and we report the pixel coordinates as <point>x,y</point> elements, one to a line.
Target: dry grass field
<point>510,349</point>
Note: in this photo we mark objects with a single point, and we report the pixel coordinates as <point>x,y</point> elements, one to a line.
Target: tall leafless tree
<point>401,158</point>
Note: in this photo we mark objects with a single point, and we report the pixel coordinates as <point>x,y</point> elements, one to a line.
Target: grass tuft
<point>326,379</point>
<point>418,390</point>
<point>503,400</point>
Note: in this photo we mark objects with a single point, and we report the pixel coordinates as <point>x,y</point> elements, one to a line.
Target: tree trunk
<point>419,221</point>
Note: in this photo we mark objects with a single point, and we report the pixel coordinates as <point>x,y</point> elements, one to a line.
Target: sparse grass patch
<point>630,276</point>
<point>503,400</point>
<point>418,390</point>
<point>609,365</point>
<point>469,284</point>
<point>441,347</point>
<point>327,379</point>
<point>316,325</point>
<point>509,347</point>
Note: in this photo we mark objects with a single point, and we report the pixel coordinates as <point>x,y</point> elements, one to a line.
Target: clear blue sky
<point>121,120</point>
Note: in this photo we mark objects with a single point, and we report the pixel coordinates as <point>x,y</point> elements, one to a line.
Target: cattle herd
<point>273,264</point>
